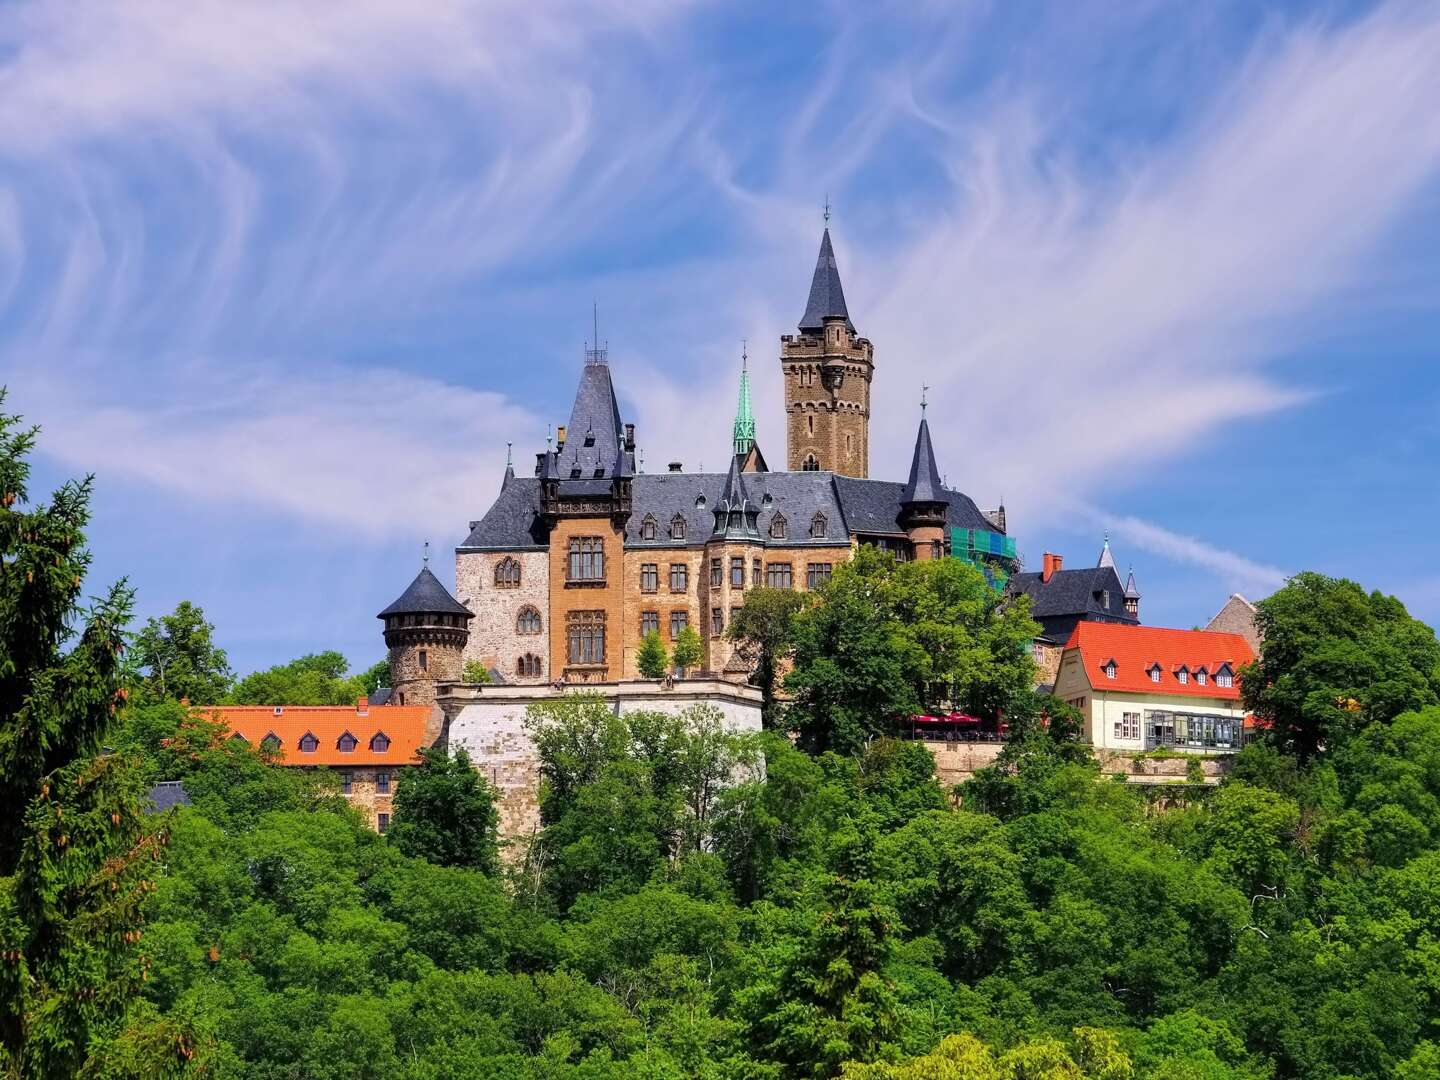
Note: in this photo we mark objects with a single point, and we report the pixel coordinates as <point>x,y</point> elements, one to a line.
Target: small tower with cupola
<point>425,632</point>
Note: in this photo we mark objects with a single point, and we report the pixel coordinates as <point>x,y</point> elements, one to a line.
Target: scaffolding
<point>992,553</point>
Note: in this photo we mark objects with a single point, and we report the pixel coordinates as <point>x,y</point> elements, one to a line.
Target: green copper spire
<point>744,417</point>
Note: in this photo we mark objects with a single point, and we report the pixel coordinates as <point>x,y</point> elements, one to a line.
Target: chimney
<point>560,438</point>
<point>1049,565</point>
<point>675,466</point>
<point>629,436</point>
<point>362,706</point>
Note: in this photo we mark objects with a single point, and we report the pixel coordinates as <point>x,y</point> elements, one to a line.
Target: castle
<point>569,569</point>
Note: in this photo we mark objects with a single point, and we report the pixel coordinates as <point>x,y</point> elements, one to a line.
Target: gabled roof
<point>873,506</point>
<point>924,484</point>
<point>1136,649</point>
<point>426,596</point>
<point>1073,592</point>
<point>168,794</point>
<point>404,725</point>
<point>827,298</point>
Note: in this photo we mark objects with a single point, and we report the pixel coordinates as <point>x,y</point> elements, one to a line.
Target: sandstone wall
<point>494,639</point>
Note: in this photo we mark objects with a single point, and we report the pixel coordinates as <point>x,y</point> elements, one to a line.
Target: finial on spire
<point>509,455</point>
<point>425,559</point>
<point>744,353</point>
<point>826,213</point>
<point>595,353</point>
<point>549,437</point>
<point>924,390</point>
<point>640,462</point>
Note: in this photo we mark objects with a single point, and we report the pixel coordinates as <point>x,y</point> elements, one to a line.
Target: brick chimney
<point>1049,564</point>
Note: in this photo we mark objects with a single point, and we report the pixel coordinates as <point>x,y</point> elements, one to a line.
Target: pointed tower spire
<point>735,515</point>
<point>924,507</point>
<point>827,298</point>
<point>1132,595</point>
<point>924,485</point>
<point>509,466</point>
<point>1106,559</point>
<point>744,431</point>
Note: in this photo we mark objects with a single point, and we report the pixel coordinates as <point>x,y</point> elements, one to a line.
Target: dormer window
<point>1225,676</point>
<point>271,742</point>
<point>379,742</point>
<point>818,527</point>
<point>777,527</point>
<point>589,438</point>
<point>346,743</point>
<point>237,737</point>
<point>1102,597</point>
<point>699,502</point>
<point>647,528</point>
<point>309,743</point>
<point>1110,669</point>
<point>677,527</point>
<point>1154,672</point>
<point>1202,676</point>
<point>1183,675</point>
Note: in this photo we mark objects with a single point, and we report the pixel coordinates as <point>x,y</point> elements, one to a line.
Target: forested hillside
<point>702,905</point>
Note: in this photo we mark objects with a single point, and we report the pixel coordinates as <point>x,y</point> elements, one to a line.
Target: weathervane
<point>509,455</point>
<point>426,557</point>
<point>827,208</point>
<point>924,389</point>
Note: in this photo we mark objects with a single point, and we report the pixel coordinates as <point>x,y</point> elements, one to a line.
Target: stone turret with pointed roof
<point>736,517</point>
<point>924,505</point>
<point>827,369</point>
<point>425,631</point>
<point>1132,595</point>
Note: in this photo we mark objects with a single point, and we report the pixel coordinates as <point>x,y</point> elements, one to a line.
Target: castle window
<point>507,574</point>
<point>647,528</point>
<point>382,823</point>
<point>737,571</point>
<point>528,621</point>
<point>270,743</point>
<point>346,782</point>
<point>379,742</point>
<point>810,423</point>
<point>575,473</point>
<point>649,623</point>
<point>778,575</point>
<point>309,743</point>
<point>587,559</point>
<point>677,527</point>
<point>817,574</point>
<point>679,577</point>
<point>382,783</point>
<point>810,464</point>
<point>849,444</point>
<point>346,743</point>
<point>585,637</point>
<point>777,527</point>
<point>678,621</point>
<point>528,666</point>
<point>717,574</point>
<point>757,571</point>
<point>818,527</point>
<point>717,621</point>
<point>649,577</point>
<point>424,659</point>
<point>699,502</point>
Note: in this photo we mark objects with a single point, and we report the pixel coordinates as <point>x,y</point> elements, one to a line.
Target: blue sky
<point>288,278</point>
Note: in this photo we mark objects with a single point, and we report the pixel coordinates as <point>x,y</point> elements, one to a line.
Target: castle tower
<point>425,631</point>
<point>747,450</point>
<point>1132,595</point>
<point>924,507</point>
<point>827,369</point>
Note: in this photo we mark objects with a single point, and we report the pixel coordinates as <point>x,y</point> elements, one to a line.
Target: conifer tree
<point>75,851</point>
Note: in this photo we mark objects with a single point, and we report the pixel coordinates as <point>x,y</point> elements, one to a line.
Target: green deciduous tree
<point>445,812</point>
<point>651,658</point>
<point>476,672</point>
<point>176,658</point>
<point>1335,660</point>
<point>763,633</point>
<point>315,679</point>
<point>688,649</point>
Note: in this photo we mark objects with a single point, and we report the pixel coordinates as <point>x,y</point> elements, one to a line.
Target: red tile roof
<point>1135,649</point>
<point>403,725</point>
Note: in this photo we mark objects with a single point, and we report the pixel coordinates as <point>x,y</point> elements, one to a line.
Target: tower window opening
<point>424,660</point>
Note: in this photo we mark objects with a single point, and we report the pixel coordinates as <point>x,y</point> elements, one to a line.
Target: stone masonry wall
<point>494,640</point>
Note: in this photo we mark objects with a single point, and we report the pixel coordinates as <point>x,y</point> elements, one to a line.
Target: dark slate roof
<point>873,506</point>
<point>425,596</point>
<point>594,420</point>
<point>1072,592</point>
<point>167,795</point>
<point>381,696</point>
<point>924,484</point>
<point>1131,592</point>
<point>513,520</point>
<point>827,298</point>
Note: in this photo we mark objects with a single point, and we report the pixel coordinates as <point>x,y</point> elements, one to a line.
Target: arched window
<point>699,502</point>
<point>777,527</point>
<point>528,666</point>
<point>309,743</point>
<point>818,526</point>
<point>528,621</point>
<point>507,573</point>
<point>677,527</point>
<point>346,743</point>
<point>379,742</point>
<point>811,464</point>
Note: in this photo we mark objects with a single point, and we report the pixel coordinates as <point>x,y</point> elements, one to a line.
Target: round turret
<point>425,631</point>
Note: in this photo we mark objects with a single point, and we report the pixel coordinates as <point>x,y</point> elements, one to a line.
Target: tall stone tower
<point>425,631</point>
<point>827,369</point>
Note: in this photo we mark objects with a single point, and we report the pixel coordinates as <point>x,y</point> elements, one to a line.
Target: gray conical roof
<point>1131,592</point>
<point>594,420</point>
<point>827,298</point>
<point>1106,559</point>
<point>924,485</point>
<point>425,596</point>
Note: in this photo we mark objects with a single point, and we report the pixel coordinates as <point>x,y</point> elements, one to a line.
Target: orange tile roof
<point>1135,649</point>
<point>403,725</point>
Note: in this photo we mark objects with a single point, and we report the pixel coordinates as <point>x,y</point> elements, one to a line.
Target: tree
<point>1335,660</point>
<point>376,676</point>
<point>688,649</point>
<point>177,658</point>
<point>476,672</point>
<point>651,658</point>
<point>889,639</point>
<point>763,632</point>
<point>314,679</point>
<point>76,853</point>
<point>445,812</point>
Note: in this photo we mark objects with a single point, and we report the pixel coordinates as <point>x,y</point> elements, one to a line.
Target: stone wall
<point>494,639</point>
<point>662,601</point>
<point>607,597</point>
<point>832,422</point>
<point>365,795</point>
<point>413,683</point>
<point>956,762</point>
